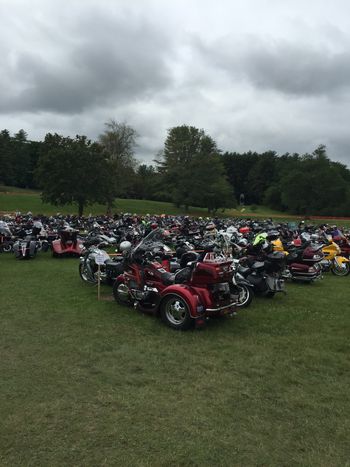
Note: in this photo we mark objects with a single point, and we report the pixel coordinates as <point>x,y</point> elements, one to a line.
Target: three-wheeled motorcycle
<point>68,243</point>
<point>200,289</point>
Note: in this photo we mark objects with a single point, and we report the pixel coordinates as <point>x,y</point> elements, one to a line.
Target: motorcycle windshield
<point>155,237</point>
<point>4,229</point>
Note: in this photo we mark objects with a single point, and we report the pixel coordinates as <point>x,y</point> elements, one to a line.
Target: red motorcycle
<point>200,289</point>
<point>67,244</point>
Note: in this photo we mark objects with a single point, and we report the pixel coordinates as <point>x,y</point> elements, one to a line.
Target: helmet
<point>260,238</point>
<point>243,242</point>
<point>124,246</point>
<point>210,226</point>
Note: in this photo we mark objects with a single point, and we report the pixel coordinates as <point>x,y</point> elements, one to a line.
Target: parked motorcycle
<point>200,289</point>
<point>264,277</point>
<point>304,263</point>
<point>241,287</point>
<point>68,243</point>
<point>6,238</point>
<point>262,267</point>
<point>333,260</point>
<point>88,267</point>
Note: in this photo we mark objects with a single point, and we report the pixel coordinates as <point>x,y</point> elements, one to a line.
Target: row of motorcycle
<point>187,279</point>
<point>189,270</point>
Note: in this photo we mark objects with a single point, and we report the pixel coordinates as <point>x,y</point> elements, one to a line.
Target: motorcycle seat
<point>116,260</point>
<point>258,266</point>
<point>179,277</point>
<point>168,278</point>
<point>243,270</point>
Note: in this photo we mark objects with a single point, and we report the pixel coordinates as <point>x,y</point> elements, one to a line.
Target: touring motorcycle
<point>198,290</point>
<point>88,265</point>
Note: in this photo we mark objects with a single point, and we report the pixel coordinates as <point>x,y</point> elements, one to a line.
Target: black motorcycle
<point>264,275</point>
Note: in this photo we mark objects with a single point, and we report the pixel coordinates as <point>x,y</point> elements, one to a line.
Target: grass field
<point>88,383</point>
<point>14,199</point>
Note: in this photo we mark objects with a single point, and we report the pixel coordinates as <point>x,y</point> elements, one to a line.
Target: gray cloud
<point>262,74</point>
<point>115,59</point>
<point>289,67</point>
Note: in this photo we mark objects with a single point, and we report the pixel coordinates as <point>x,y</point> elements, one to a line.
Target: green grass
<point>14,199</point>
<point>29,200</point>
<point>88,383</point>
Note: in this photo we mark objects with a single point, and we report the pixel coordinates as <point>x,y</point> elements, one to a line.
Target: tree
<point>6,158</point>
<point>72,171</point>
<point>237,168</point>
<point>261,176</point>
<point>191,168</point>
<point>210,187</point>
<point>145,182</point>
<point>118,142</point>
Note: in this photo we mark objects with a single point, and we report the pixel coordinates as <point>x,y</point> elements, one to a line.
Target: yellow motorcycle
<point>333,261</point>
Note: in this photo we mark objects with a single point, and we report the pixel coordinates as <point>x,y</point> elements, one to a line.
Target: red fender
<point>188,294</point>
<point>120,279</point>
<point>57,246</point>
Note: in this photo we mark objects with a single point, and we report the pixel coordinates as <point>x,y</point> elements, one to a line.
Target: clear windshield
<point>154,238</point>
<point>4,229</point>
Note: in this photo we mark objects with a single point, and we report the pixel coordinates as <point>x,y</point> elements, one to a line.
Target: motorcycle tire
<point>340,272</point>
<point>245,295</point>
<point>175,313</point>
<point>86,277</point>
<point>121,294</point>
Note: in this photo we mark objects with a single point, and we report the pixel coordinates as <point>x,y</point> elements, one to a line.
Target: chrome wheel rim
<point>176,311</point>
<point>242,296</point>
<point>123,293</point>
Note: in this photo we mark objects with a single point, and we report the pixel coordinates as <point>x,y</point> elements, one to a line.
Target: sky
<point>255,75</point>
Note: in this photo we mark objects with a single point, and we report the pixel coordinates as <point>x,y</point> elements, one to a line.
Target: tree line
<point>190,170</point>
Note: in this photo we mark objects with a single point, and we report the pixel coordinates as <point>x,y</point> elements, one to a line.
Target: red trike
<point>198,290</point>
<point>68,243</point>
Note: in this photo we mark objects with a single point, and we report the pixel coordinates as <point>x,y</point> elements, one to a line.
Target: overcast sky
<point>254,74</point>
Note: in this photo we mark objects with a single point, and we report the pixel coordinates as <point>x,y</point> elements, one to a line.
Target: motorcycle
<point>241,287</point>
<point>304,263</point>
<point>333,260</point>
<point>88,267</point>
<point>29,242</point>
<point>263,268</point>
<point>6,238</point>
<point>303,258</point>
<point>68,243</point>
<point>200,289</point>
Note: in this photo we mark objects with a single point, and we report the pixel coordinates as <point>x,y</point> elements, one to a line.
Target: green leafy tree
<point>210,187</point>
<point>119,142</point>
<point>6,166</point>
<point>72,171</point>
<point>191,168</point>
<point>145,182</point>
<point>314,185</point>
<point>237,168</point>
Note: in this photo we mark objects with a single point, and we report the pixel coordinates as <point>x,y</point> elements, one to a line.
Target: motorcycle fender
<point>192,299</point>
<point>120,279</point>
<point>88,267</point>
<point>56,246</point>
<point>341,259</point>
<point>243,281</point>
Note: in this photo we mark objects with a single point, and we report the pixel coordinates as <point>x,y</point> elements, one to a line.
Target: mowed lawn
<point>88,383</point>
<point>14,199</point>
